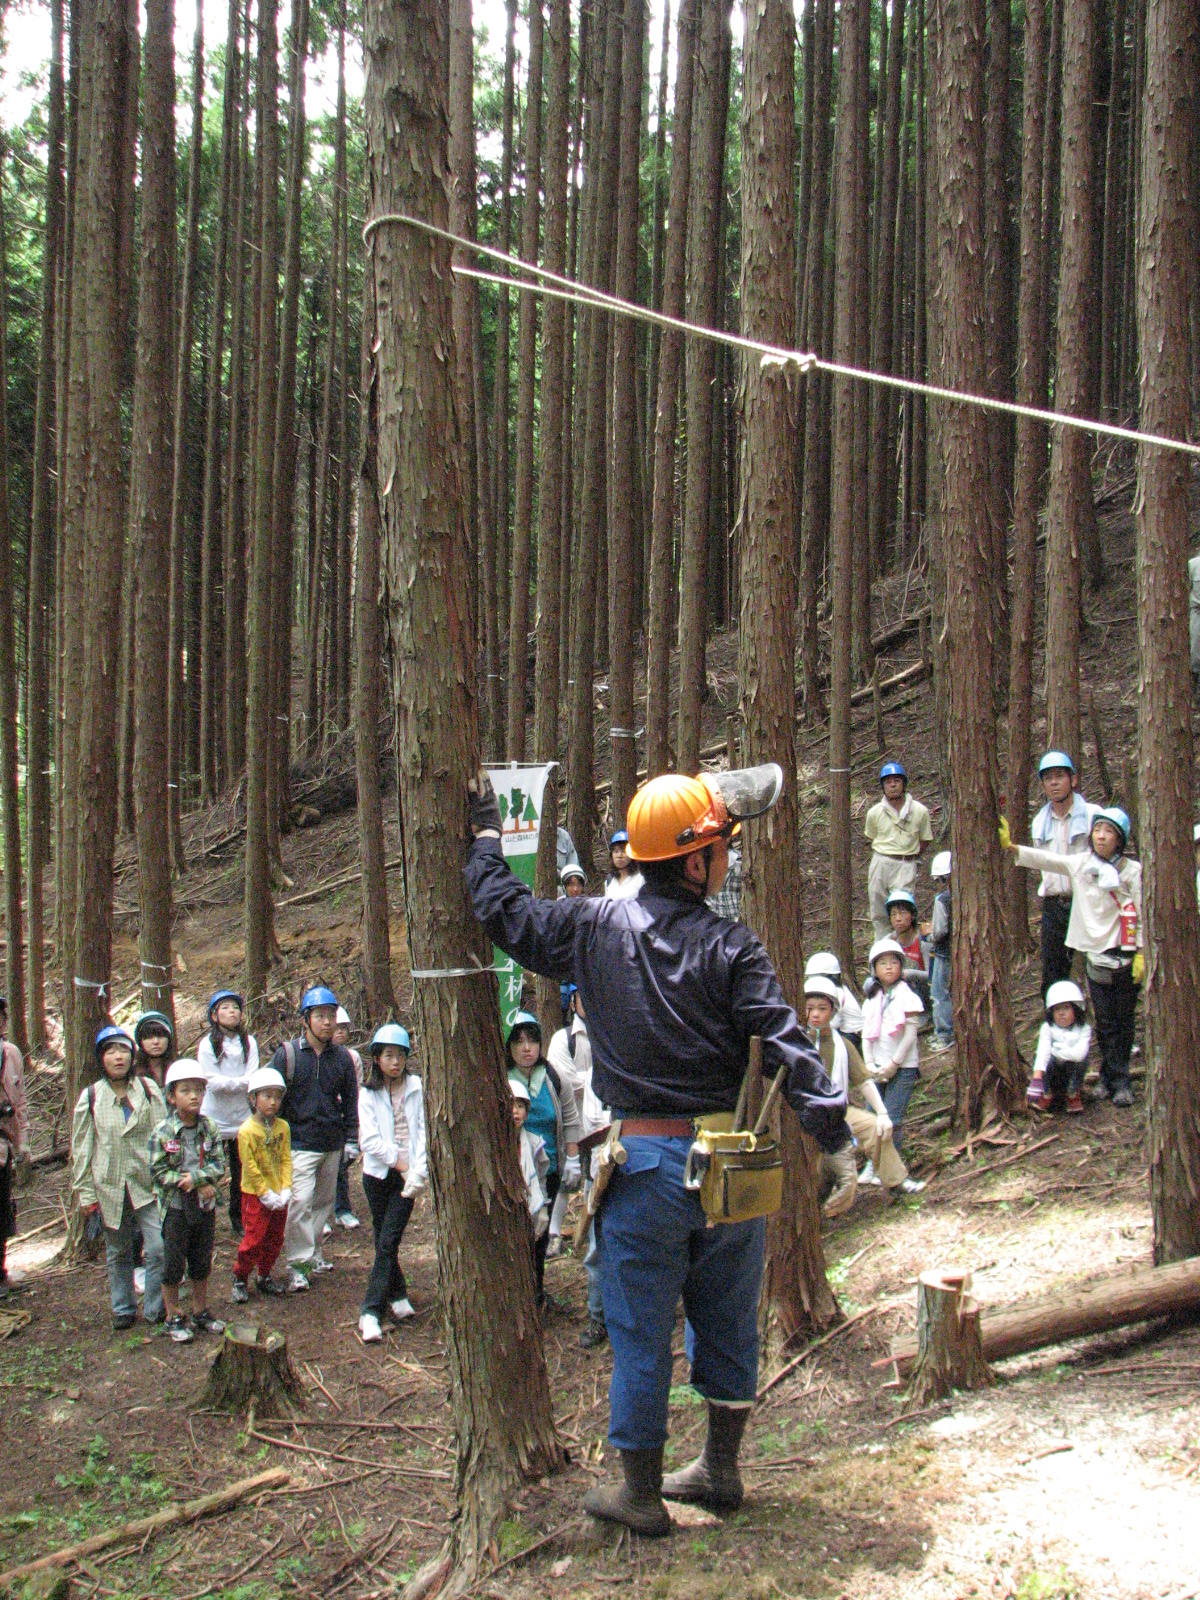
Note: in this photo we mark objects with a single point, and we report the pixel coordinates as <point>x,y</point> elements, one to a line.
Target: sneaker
<point>272,1286</point>
<point>320,1265</point>
<point>911,1186</point>
<point>347,1219</point>
<point>296,1283</point>
<point>178,1331</point>
<point>1040,1102</point>
<point>1074,1105</point>
<point>940,1046</point>
<point>240,1292</point>
<point>327,1231</point>
<point>205,1322</point>
<point>554,1247</point>
<point>122,1322</point>
<point>1100,1091</point>
<point>1123,1096</point>
<point>868,1175</point>
<point>369,1329</point>
<point>139,1281</point>
<point>402,1309</point>
<point>594,1334</point>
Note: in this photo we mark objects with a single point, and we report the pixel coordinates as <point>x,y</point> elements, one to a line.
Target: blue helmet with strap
<point>1055,761</point>
<point>214,1000</point>
<point>153,1022</point>
<point>1116,818</point>
<point>525,1019</point>
<point>112,1035</point>
<point>892,769</point>
<point>318,995</point>
<point>391,1033</point>
<point>565,991</point>
<point>902,897</point>
<point>620,837</point>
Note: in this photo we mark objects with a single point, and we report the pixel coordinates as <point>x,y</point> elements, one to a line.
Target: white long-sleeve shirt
<point>225,1095</point>
<point>848,1018</point>
<point>1100,888</point>
<point>889,1038</point>
<point>1060,1044</point>
<point>377,1132</point>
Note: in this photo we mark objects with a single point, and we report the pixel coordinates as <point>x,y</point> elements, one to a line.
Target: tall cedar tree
<point>1114,214</point>
<point>1069,503</point>
<point>704,225</point>
<point>1166,769</point>
<point>500,394</point>
<point>848,176</point>
<point>150,530</point>
<point>1031,458</point>
<point>10,796</point>
<point>527,321</point>
<point>233,554</point>
<point>42,541</point>
<point>883,401</point>
<point>462,168</point>
<point>660,624</point>
<point>997,218</point>
<point>625,526</point>
<point>797,1291</point>
<point>498,1386</point>
<point>987,1068</point>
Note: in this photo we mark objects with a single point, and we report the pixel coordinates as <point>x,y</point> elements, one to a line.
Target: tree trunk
<point>42,539</point>
<point>658,242</point>
<point>987,1068</point>
<point>625,529</point>
<point>150,504</point>
<point>498,1385</point>
<point>883,401</point>
<point>1031,458</point>
<point>797,1293</point>
<point>500,397</point>
<point>662,533</point>
<point>566,529</point>
<point>1069,502</point>
<point>950,1351</point>
<point>527,316</point>
<point>1165,759</point>
<point>704,223</point>
<point>343,454</point>
<point>259,912</point>
<point>210,608</point>
<point>848,176</point>
<point>1113,213</point>
<point>233,530</point>
<point>180,497</point>
<point>864,571</point>
<point>998,331</point>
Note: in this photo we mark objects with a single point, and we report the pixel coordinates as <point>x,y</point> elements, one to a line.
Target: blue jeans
<point>118,1244</point>
<point>655,1247</point>
<point>943,1005</point>
<point>897,1092</point>
<point>591,1264</point>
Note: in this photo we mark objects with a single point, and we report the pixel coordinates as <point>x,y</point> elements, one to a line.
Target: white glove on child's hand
<point>883,1125</point>
<point>572,1174</point>
<point>270,1199</point>
<point>541,1222</point>
<point>350,1151</point>
<point>283,1198</point>
<point>412,1185</point>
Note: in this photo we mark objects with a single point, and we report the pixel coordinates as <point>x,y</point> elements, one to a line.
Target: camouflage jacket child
<point>168,1154</point>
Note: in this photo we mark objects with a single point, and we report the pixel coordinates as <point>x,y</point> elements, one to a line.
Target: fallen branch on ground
<point>996,1166</point>
<point>834,1333</point>
<point>340,882</point>
<point>355,1461</point>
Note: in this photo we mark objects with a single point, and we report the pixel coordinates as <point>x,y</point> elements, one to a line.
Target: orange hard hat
<point>673,815</point>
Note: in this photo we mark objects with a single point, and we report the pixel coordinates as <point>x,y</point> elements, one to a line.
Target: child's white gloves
<point>541,1222</point>
<point>275,1199</point>
<point>412,1185</point>
<point>285,1197</point>
<point>883,1125</point>
<point>572,1174</point>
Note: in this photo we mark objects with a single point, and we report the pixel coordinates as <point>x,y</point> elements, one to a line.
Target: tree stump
<point>251,1372</point>
<point>949,1348</point>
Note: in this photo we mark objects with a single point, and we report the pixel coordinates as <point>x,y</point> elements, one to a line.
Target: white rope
<point>557,287</point>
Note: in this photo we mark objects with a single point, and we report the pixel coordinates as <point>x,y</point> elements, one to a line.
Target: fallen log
<point>207,1505</point>
<point>1098,1306</point>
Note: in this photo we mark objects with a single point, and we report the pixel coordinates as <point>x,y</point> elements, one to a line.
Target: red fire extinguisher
<point>1129,926</point>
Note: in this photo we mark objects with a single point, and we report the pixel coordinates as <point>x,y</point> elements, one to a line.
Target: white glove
<point>883,1125</point>
<point>270,1199</point>
<point>541,1222</point>
<point>282,1199</point>
<point>412,1185</point>
<point>572,1174</point>
<point>350,1151</point>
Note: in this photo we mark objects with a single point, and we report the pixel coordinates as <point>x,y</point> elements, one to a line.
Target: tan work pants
<point>883,1152</point>
<point>885,874</point>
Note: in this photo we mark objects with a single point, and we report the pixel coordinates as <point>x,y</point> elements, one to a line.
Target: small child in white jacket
<point>535,1163</point>
<point>1062,1051</point>
<point>391,1136</point>
<point>889,1040</point>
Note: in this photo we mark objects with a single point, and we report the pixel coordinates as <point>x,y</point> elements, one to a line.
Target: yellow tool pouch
<point>739,1176</point>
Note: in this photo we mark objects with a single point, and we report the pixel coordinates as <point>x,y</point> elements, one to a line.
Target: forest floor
<point>1075,1476</point>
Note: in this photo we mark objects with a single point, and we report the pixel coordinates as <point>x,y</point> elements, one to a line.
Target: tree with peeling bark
<point>987,1068</point>
<point>10,797</point>
<point>797,1294</point>
<point>1166,768</point>
<point>498,1385</point>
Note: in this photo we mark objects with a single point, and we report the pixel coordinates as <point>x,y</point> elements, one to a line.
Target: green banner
<point>519,792</point>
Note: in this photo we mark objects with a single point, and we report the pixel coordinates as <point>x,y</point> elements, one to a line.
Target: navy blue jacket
<point>672,992</point>
<point>321,1103</point>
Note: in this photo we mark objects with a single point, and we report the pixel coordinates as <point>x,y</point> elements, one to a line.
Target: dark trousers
<point>550,1185</point>
<point>1113,1005</point>
<point>187,1234</point>
<point>1056,958</point>
<point>233,1164</point>
<point>341,1200</point>
<point>390,1212</point>
<point>1064,1078</point>
<point>8,1214</point>
<point>897,1092</point>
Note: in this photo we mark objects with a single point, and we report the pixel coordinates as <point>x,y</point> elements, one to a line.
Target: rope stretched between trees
<point>557,287</point>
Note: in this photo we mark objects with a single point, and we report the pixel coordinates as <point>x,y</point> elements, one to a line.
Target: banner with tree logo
<point>519,792</point>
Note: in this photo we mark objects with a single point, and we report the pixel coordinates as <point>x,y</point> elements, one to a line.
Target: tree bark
<point>500,398</point>
<point>462,217</point>
<point>797,1293</point>
<point>1030,462</point>
<point>1113,213</point>
<point>498,1385</point>
<point>150,503</point>
<point>949,1348</point>
<point>1166,767</point>
<point>987,1068</point>
<point>233,528</point>
<point>704,222</point>
<point>344,663</point>
<point>1069,501</point>
<point>527,320</point>
<point>883,401</point>
<point>658,241</point>
<point>997,218</point>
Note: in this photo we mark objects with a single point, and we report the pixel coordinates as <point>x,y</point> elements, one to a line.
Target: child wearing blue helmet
<point>898,829</point>
<point>391,1130</point>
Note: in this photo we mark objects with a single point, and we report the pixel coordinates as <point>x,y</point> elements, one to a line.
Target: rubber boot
<point>845,1181</point>
<point>637,1502</point>
<point>713,1479</point>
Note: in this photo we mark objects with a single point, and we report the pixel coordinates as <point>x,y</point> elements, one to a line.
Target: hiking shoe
<point>554,1247</point>
<point>369,1329</point>
<point>1123,1096</point>
<point>327,1231</point>
<point>271,1286</point>
<point>402,1309</point>
<point>594,1334</point>
<point>122,1322</point>
<point>205,1322</point>
<point>240,1292</point>
<point>320,1265</point>
<point>636,1502</point>
<point>869,1176</point>
<point>347,1219</point>
<point>296,1283</point>
<point>940,1046</point>
<point>178,1331</point>
<point>912,1186</point>
<point>1074,1105</point>
<point>1100,1091</point>
<point>139,1281</point>
<point>1040,1102</point>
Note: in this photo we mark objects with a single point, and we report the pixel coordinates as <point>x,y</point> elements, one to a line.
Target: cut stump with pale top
<point>252,1372</point>
<point>949,1347</point>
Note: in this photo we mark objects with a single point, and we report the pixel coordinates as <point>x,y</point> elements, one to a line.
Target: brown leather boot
<point>637,1502</point>
<point>713,1479</point>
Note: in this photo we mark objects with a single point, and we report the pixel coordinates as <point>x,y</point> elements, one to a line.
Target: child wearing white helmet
<point>535,1163</point>
<point>847,1017</point>
<point>937,947</point>
<point>187,1162</point>
<point>890,1019</point>
<point>228,1057</point>
<point>1062,1051</point>
<point>343,1210</point>
<point>265,1150</point>
<point>391,1131</point>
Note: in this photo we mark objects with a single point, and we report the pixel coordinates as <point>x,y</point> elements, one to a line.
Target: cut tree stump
<point>251,1372</point>
<point>1096,1307</point>
<point>949,1350</point>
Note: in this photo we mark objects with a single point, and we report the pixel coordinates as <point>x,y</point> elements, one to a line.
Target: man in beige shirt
<point>898,828</point>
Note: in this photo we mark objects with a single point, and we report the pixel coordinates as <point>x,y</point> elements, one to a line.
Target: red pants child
<point>262,1239</point>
